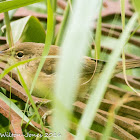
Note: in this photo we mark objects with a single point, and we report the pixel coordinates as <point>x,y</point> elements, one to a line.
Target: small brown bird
<point>46,79</point>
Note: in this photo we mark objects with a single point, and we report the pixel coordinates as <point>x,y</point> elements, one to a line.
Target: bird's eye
<point>20,54</point>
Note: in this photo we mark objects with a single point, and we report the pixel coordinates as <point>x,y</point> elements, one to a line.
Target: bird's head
<point>22,52</point>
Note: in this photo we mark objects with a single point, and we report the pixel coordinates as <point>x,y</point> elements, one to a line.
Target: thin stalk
<point>54,7</point>
<point>123,13</point>
<point>63,26</point>
<point>98,33</point>
<point>123,50</point>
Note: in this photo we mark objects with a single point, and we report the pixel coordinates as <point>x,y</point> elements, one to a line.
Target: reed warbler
<point>46,79</point>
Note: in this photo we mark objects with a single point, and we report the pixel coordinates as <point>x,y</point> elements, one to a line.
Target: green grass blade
<point>17,110</point>
<point>14,107</point>
<point>54,5</point>
<point>31,100</point>
<point>49,37</point>
<point>74,47</point>
<point>5,6</point>
<point>6,71</point>
<point>98,93</point>
<point>8,29</point>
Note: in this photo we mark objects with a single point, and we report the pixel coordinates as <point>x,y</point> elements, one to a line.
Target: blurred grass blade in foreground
<point>74,47</point>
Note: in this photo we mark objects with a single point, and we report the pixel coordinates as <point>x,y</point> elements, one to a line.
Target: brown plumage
<point>46,79</point>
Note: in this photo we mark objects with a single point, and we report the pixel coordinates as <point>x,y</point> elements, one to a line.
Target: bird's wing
<point>50,66</point>
<point>89,65</point>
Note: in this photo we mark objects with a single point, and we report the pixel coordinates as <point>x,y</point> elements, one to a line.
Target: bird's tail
<point>130,64</point>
